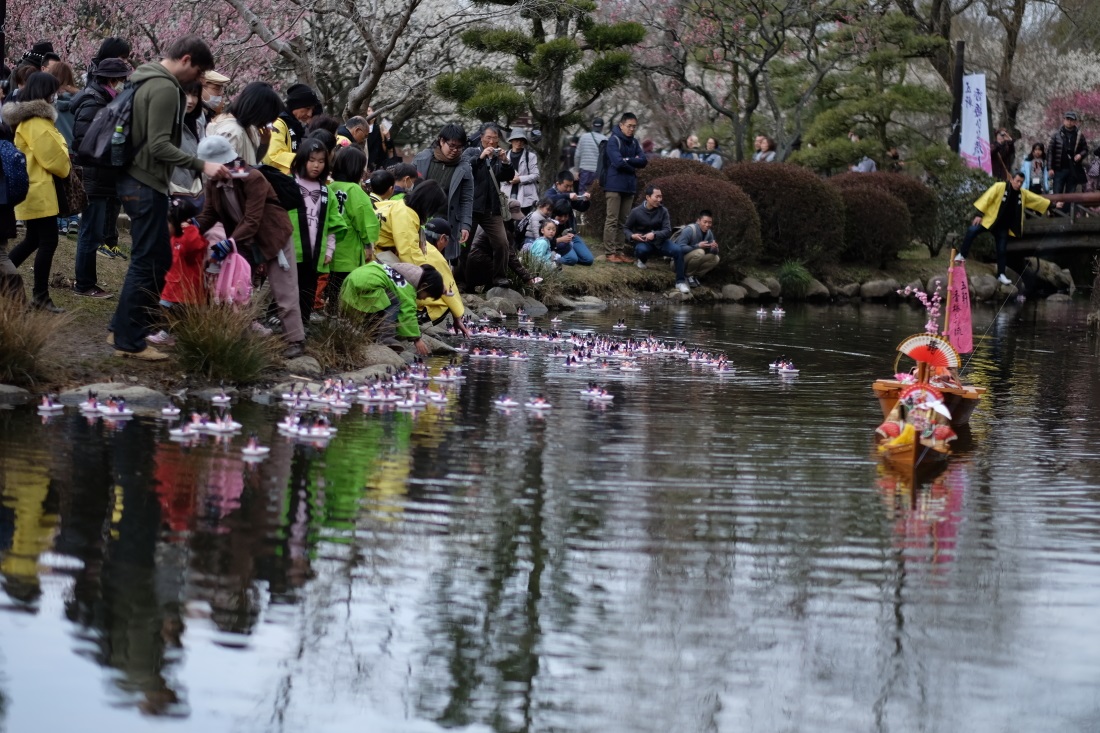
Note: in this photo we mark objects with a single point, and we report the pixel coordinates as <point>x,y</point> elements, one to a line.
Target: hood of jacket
<point>152,70</point>
<point>18,112</point>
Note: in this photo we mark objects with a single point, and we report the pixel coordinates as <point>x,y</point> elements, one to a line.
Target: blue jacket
<point>624,157</point>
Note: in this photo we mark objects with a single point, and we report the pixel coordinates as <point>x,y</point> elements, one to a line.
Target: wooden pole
<point>947,301</point>
<point>955,138</point>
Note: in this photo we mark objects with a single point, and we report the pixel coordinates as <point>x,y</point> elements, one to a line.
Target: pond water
<point>704,554</point>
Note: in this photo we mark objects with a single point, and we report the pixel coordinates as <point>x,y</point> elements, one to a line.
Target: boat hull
<point>960,401</point>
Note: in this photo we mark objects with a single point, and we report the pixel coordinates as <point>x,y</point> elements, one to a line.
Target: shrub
<point>736,225</point>
<point>24,337</point>
<point>656,168</point>
<point>956,191</point>
<point>801,218</point>
<point>794,278</point>
<point>219,342</point>
<point>919,199</point>
<point>877,225</point>
<point>337,342</point>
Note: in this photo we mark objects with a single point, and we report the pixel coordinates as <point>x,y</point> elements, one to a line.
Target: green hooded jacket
<point>156,127</point>
<point>358,226</point>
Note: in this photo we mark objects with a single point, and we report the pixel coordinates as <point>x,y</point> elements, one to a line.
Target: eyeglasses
<point>451,143</point>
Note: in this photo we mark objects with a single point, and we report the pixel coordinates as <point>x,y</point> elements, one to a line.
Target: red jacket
<point>184,282</point>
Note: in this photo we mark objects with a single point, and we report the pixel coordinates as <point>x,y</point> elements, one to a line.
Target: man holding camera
<point>490,166</point>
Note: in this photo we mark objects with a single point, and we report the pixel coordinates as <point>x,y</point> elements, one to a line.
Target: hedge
<point>877,225</point>
<point>919,199</point>
<point>655,168</point>
<point>736,224</point>
<point>801,218</point>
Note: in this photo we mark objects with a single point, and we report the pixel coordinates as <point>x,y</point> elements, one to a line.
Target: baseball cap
<point>1071,115</point>
<point>436,228</point>
<point>515,210</point>
<point>215,78</point>
<point>597,124</point>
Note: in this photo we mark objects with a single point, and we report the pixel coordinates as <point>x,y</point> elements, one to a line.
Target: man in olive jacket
<point>156,131</point>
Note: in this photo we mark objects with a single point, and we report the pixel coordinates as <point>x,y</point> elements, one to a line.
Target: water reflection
<point>702,554</point>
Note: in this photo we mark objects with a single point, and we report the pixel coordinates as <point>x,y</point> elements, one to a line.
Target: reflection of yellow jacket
<point>280,152</point>
<point>37,137</point>
<point>27,484</point>
<point>401,233</point>
<point>990,204</point>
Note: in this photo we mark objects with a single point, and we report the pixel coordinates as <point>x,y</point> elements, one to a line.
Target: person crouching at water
<point>389,293</point>
<point>1002,214</point>
<point>246,205</point>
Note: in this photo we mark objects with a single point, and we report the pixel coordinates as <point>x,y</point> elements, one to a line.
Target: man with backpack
<point>588,155</point>
<point>99,220</point>
<point>156,129</point>
<point>622,157</point>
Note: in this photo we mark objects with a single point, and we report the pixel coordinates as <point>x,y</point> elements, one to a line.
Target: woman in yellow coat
<point>401,222</point>
<point>33,119</point>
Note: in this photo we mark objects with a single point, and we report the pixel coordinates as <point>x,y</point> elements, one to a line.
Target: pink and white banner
<point>974,142</point>
<point>960,331</point>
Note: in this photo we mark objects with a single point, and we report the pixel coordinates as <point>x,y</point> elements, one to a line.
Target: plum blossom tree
<point>744,55</point>
<point>76,30</point>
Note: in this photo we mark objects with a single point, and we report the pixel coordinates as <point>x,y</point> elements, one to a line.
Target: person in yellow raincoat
<point>1002,214</point>
<point>289,128</point>
<point>401,236</point>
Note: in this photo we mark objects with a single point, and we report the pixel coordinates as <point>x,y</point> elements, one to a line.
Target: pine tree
<point>563,62</point>
<point>878,97</point>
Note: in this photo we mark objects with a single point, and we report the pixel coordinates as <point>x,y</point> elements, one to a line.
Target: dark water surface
<point>706,554</point>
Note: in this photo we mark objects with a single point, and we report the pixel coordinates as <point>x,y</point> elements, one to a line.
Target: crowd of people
<point>226,194</point>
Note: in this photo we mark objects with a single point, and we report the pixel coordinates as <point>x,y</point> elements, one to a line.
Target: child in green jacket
<point>358,226</point>
<point>391,292</point>
<point>314,222</point>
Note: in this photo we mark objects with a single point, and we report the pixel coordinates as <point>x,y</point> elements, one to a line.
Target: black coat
<point>84,106</point>
<point>486,195</point>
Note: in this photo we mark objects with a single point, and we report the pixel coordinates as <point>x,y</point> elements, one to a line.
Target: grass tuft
<point>218,342</point>
<point>337,342</point>
<point>25,336</point>
<point>794,278</point>
<point>552,279</point>
<point>610,280</point>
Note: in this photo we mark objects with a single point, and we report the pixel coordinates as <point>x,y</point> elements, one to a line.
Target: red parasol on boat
<point>930,349</point>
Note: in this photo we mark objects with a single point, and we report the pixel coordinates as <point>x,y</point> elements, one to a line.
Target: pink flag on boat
<point>959,331</point>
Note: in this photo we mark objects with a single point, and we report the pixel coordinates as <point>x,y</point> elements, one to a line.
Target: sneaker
<point>315,317</point>
<point>683,288</point>
<point>1003,280</point>
<point>161,338</point>
<point>119,253</point>
<point>147,354</point>
<point>959,258</point>
<point>262,329</point>
<point>111,338</point>
<point>93,292</point>
<point>72,229</point>
<point>293,351</point>
<point>534,281</point>
<point>106,251</point>
<point>693,282</point>
<point>640,265</point>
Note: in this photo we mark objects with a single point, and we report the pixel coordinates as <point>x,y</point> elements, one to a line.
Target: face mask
<point>214,102</point>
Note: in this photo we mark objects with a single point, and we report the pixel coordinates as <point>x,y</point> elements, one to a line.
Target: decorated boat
<point>917,432</point>
<point>941,365</point>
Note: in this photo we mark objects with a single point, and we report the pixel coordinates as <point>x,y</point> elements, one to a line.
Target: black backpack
<point>286,188</point>
<point>601,161</point>
<point>95,148</point>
